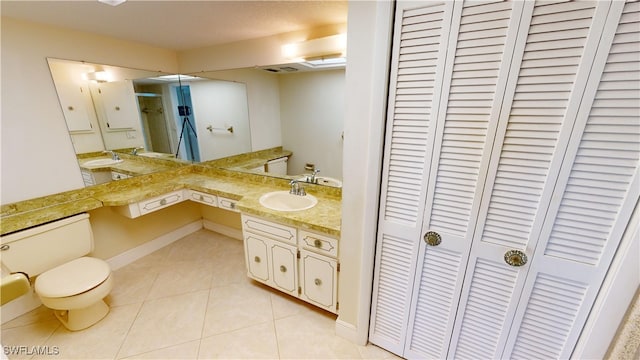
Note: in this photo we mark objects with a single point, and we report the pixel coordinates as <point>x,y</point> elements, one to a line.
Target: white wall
<point>263,96</point>
<point>220,104</point>
<point>37,157</point>
<point>366,82</point>
<point>312,116</point>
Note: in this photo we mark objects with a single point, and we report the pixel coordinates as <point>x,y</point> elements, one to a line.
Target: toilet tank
<point>44,247</point>
<point>277,166</point>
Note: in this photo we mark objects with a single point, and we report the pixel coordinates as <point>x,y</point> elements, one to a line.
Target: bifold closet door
<point>510,172</point>
<point>545,119</point>
<point>447,85</point>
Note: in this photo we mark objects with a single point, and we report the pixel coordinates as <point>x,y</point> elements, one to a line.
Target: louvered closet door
<point>597,190</point>
<point>537,120</point>
<point>418,286</point>
<point>474,85</point>
<point>420,44</point>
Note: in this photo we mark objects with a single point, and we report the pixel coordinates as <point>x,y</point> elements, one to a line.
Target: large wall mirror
<point>208,115</point>
<point>111,108</point>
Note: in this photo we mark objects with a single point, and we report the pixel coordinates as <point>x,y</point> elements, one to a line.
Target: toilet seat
<point>72,278</point>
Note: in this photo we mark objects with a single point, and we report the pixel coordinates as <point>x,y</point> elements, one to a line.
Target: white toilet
<point>66,280</point>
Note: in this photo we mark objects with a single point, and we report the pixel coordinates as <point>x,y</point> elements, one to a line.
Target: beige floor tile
<point>130,286</point>
<point>100,341</point>
<point>186,351</point>
<point>255,342</point>
<point>311,335</point>
<point>20,341</point>
<point>39,314</point>
<point>180,278</point>
<point>235,307</point>
<point>285,305</point>
<point>165,322</point>
<point>372,352</point>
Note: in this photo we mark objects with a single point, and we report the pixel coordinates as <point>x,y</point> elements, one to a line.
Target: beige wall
<point>312,110</point>
<point>114,234</point>
<point>37,157</point>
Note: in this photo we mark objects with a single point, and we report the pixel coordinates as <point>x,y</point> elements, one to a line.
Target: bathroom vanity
<point>297,262</point>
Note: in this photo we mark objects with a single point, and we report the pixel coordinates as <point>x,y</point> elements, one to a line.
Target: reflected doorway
<point>154,123</point>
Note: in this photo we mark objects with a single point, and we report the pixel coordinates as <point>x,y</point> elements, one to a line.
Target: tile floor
<point>191,300</point>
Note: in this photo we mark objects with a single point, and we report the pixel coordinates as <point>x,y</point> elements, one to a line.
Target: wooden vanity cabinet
<point>294,261</point>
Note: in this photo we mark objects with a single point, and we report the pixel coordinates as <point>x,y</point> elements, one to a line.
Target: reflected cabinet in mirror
<point>205,116</point>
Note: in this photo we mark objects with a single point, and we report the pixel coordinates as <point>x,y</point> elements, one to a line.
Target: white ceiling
<point>181,25</point>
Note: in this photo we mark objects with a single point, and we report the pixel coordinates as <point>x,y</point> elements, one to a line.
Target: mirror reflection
<point>293,107</point>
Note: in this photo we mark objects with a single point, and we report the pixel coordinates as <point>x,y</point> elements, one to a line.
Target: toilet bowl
<point>66,281</point>
<point>75,291</point>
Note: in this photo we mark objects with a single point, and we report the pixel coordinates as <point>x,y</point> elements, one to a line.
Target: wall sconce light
<point>326,47</point>
<point>98,76</point>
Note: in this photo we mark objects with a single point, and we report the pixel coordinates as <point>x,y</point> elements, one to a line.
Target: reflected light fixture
<point>98,76</point>
<point>112,2</point>
<point>334,46</point>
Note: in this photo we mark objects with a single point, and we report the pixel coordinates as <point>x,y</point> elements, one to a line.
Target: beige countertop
<point>325,217</point>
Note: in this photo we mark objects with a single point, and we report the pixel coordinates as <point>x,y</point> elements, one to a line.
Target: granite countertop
<point>325,217</point>
<point>130,165</point>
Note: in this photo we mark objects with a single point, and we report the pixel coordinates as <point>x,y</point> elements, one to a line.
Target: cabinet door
<point>284,268</point>
<point>119,105</point>
<point>257,258</point>
<point>319,280</point>
<point>77,107</point>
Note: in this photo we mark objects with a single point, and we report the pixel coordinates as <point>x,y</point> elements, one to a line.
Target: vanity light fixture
<point>112,2</point>
<point>98,76</point>
<point>334,46</point>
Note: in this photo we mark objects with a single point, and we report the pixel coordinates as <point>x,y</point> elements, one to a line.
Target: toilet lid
<point>72,278</point>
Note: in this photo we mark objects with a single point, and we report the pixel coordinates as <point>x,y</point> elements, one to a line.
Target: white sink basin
<point>152,154</point>
<point>283,201</point>
<point>101,162</point>
<point>322,180</point>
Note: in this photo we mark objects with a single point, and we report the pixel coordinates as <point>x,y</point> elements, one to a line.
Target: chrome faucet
<point>114,155</point>
<point>135,150</point>
<point>312,178</point>
<point>296,189</point>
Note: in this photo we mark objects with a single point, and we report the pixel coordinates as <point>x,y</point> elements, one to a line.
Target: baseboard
<point>147,248</point>
<point>350,332</point>
<point>19,306</point>
<point>222,229</point>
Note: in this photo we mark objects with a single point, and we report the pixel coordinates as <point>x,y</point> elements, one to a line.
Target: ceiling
<point>181,25</point>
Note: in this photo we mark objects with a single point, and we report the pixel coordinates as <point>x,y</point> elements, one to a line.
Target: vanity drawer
<point>317,243</point>
<point>226,203</point>
<point>150,205</point>
<point>269,229</point>
<point>201,197</point>
<point>160,202</point>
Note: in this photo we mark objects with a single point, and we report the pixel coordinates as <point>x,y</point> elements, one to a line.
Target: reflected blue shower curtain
<point>187,124</point>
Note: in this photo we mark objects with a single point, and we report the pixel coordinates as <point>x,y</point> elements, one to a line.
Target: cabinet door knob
<point>432,238</point>
<point>515,258</point>
<point>201,198</point>
<point>283,268</point>
<point>317,243</point>
<point>257,259</point>
<point>317,281</point>
<point>163,202</point>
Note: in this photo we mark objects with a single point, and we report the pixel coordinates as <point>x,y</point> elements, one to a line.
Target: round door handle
<point>318,282</point>
<point>432,238</point>
<point>163,202</point>
<point>317,243</point>
<point>283,268</point>
<point>257,259</point>
<point>515,258</point>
